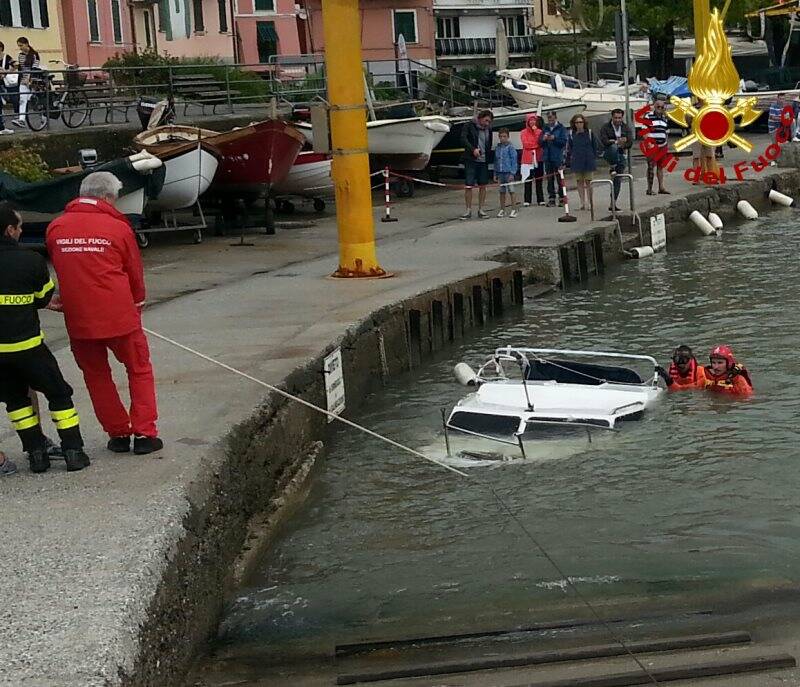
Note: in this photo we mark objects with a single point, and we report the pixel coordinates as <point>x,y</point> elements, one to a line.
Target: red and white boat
<point>252,158</point>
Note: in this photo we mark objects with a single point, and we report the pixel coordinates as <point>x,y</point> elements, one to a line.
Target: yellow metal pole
<point>702,16</point>
<point>350,168</point>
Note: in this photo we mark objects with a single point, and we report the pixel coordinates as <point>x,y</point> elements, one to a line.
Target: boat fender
<point>148,165</point>
<point>715,221</point>
<point>465,375</point>
<point>142,155</point>
<point>746,210</point>
<point>702,223</point>
<point>781,198</point>
<point>642,252</point>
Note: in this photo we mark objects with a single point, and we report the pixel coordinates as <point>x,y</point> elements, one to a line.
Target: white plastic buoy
<point>715,220</point>
<point>642,252</point>
<point>781,198</point>
<point>465,375</point>
<point>702,223</point>
<point>746,210</point>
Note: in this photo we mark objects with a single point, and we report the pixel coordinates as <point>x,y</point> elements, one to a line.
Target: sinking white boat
<point>529,86</point>
<point>189,171</point>
<point>403,144</point>
<point>554,388</point>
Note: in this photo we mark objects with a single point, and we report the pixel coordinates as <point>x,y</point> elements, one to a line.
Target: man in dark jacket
<point>101,289</point>
<point>25,361</point>
<point>476,137</point>
<point>554,139</point>
<point>616,138</point>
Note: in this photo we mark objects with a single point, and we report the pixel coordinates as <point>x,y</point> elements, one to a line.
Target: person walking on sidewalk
<point>101,293</point>
<point>616,139</point>
<point>25,361</point>
<point>531,165</point>
<point>582,152</point>
<point>505,172</point>
<point>28,65</point>
<point>554,139</point>
<point>8,86</point>
<point>476,137</point>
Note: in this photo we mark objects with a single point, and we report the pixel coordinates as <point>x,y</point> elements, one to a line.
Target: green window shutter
<point>94,26</point>
<point>223,16</point>
<point>199,22</point>
<point>164,23</point>
<point>26,13</point>
<point>5,14</point>
<point>265,5</point>
<point>116,20</point>
<point>44,14</point>
<point>404,23</point>
<point>266,40</point>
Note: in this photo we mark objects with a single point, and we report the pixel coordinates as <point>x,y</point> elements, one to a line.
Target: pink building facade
<point>382,21</point>
<point>95,30</point>
<point>265,28</point>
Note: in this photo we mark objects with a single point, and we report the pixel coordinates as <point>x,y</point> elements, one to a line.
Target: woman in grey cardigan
<point>582,152</point>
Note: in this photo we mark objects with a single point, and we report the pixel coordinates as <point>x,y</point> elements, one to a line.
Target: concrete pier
<point>115,575</point>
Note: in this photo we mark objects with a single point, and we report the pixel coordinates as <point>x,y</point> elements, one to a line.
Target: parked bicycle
<point>50,100</point>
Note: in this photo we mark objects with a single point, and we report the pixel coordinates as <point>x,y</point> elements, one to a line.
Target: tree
<point>658,20</point>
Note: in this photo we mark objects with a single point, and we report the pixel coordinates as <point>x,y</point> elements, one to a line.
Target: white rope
<point>292,397</point>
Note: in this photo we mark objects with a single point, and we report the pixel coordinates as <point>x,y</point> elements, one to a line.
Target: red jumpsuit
<point>696,379</point>
<point>101,285</point>
<point>735,381</point>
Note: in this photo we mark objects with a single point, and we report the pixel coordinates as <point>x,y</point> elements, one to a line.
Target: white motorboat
<point>189,171</point>
<point>555,388</point>
<point>402,144</point>
<point>529,86</point>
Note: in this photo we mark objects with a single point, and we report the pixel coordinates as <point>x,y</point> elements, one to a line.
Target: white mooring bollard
<point>702,223</point>
<point>715,221</point>
<point>781,199</point>
<point>746,210</point>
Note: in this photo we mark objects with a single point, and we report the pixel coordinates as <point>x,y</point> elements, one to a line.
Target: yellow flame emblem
<point>713,79</point>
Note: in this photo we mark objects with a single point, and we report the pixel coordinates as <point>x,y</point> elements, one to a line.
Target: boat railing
<point>523,351</point>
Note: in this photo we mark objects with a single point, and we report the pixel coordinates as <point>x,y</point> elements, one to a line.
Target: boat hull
<point>188,175</point>
<point>403,144</point>
<point>251,158</point>
<point>309,177</point>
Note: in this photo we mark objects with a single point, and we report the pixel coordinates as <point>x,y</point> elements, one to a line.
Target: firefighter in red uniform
<point>25,361</point>
<point>725,375</point>
<point>685,372</point>
<point>101,291</point>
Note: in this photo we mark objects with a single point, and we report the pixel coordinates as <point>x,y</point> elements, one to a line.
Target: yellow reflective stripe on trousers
<point>47,288</point>
<point>65,419</point>
<point>19,425</point>
<point>16,299</point>
<point>20,414</point>
<point>33,342</point>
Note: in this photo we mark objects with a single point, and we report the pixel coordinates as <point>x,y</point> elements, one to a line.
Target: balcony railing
<point>461,47</point>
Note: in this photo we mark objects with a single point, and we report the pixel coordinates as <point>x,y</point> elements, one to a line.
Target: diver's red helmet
<point>723,352</point>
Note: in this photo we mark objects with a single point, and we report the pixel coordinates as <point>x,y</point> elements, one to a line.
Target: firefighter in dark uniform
<point>25,361</point>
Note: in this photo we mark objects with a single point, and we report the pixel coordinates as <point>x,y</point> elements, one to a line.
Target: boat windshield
<point>571,372</point>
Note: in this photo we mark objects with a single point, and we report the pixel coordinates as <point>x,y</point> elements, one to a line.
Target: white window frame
<point>416,26</point>
<point>89,23</point>
<point>36,14</point>
<point>452,21</point>
<point>516,19</point>
<point>121,40</point>
<point>265,13</point>
<point>16,15</point>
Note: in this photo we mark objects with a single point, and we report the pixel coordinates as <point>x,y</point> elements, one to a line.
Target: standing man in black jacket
<point>476,137</point>
<point>25,361</point>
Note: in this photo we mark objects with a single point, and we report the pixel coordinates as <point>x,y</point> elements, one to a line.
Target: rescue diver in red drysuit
<point>725,375</point>
<point>684,373</point>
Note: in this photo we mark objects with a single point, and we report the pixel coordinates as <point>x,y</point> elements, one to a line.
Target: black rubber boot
<point>144,445</point>
<point>119,444</point>
<point>39,460</point>
<point>75,459</point>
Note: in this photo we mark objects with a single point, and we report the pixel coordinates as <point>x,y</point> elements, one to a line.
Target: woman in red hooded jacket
<point>725,375</point>
<point>531,163</point>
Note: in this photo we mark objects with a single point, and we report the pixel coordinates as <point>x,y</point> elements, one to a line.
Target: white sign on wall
<point>334,382</point>
<point>658,231</point>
